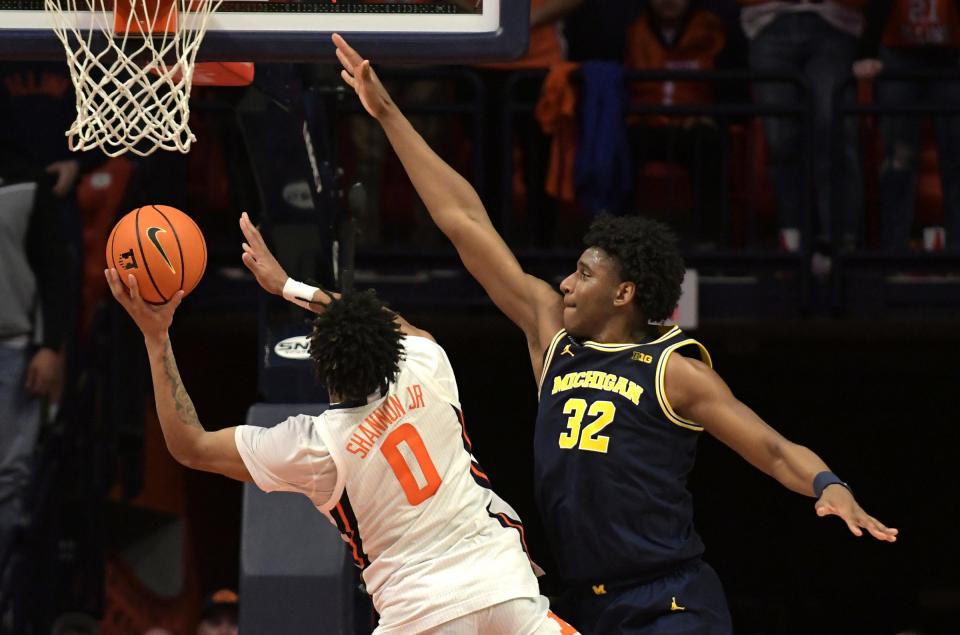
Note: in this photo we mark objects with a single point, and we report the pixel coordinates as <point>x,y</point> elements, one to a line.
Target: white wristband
<point>298,292</point>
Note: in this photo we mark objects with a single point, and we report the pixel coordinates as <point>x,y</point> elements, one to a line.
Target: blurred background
<point>806,153</point>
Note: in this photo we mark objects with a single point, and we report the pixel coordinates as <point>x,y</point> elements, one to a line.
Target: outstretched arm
<point>697,393</point>
<point>456,208</point>
<point>186,439</point>
<point>269,274</point>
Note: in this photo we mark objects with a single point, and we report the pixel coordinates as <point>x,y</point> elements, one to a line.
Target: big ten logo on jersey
<point>642,357</point>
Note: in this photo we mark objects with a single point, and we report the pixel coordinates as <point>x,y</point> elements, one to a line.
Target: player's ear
<point>626,292</point>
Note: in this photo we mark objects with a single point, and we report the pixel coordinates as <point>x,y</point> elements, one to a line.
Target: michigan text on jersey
<point>600,381</point>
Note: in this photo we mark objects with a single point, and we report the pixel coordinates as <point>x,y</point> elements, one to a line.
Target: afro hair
<point>647,254</point>
<point>356,346</point>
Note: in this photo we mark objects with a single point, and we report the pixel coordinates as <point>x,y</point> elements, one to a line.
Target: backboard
<point>299,30</point>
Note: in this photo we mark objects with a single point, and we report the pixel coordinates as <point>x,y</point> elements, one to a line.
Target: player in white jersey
<point>389,463</point>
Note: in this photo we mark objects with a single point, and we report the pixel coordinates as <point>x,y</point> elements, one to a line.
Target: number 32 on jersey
<point>587,437</point>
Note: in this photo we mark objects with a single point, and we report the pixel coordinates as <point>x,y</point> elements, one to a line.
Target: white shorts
<point>522,616</point>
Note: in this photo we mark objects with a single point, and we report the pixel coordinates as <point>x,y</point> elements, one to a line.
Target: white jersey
<point>397,477</point>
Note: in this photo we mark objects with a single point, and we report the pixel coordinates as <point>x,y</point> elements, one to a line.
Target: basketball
<point>162,247</point>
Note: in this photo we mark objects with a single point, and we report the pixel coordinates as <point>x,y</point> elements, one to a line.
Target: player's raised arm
<point>457,210</point>
<point>272,277</point>
<point>697,393</point>
<point>186,439</point>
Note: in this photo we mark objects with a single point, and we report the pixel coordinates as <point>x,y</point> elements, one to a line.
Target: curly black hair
<point>356,345</point>
<point>647,254</point>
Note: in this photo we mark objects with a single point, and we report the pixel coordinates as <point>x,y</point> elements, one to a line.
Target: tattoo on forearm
<point>188,414</point>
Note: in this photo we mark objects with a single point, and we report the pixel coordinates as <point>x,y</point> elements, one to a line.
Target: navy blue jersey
<point>611,460</point>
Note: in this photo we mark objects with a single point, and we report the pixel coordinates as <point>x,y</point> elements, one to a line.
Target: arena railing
<point>753,258</point>
<point>745,263</point>
<point>724,110</point>
<point>468,103</point>
<point>869,278</point>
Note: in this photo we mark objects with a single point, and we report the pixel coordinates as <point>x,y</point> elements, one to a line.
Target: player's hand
<point>359,75</point>
<point>258,259</point>
<point>837,500</point>
<point>45,374</point>
<point>67,173</point>
<point>153,320</point>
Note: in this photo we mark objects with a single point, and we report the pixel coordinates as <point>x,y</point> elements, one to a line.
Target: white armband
<point>298,292</point>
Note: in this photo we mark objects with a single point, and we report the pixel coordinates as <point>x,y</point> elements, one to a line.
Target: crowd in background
<point>606,134</point>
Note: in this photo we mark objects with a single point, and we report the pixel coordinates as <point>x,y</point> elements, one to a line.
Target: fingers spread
<point>246,227</point>
<point>347,50</point>
<point>256,238</point>
<point>879,531</point>
<point>345,61</point>
<point>352,83</point>
<point>251,233</point>
<point>879,524</point>
<point>856,531</point>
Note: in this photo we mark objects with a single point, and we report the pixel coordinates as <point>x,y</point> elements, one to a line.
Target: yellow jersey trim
<point>665,406</point>
<point>549,358</point>
<point>614,348</point>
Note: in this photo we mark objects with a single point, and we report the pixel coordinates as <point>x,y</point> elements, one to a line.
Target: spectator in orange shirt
<point>674,35</point>
<point>905,35</point>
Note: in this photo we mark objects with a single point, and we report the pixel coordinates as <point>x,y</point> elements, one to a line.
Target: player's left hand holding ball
<point>152,319</point>
<point>838,501</point>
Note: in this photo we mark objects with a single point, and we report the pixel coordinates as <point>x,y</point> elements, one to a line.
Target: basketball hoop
<point>132,64</point>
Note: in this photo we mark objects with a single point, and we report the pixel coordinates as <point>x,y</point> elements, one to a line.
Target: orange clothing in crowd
<point>695,48</point>
<point>546,47</point>
<point>557,114</point>
<point>923,23</point>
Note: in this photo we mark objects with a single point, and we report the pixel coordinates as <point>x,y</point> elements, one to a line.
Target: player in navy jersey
<point>621,404</point>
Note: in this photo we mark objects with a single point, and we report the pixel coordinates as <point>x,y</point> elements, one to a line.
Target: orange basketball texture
<point>162,247</point>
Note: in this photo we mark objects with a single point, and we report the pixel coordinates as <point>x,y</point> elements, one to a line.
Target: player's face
<point>589,293</point>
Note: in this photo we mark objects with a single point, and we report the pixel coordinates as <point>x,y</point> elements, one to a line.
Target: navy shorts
<point>688,601</point>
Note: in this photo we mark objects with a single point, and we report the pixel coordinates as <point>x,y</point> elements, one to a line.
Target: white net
<point>132,74</point>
